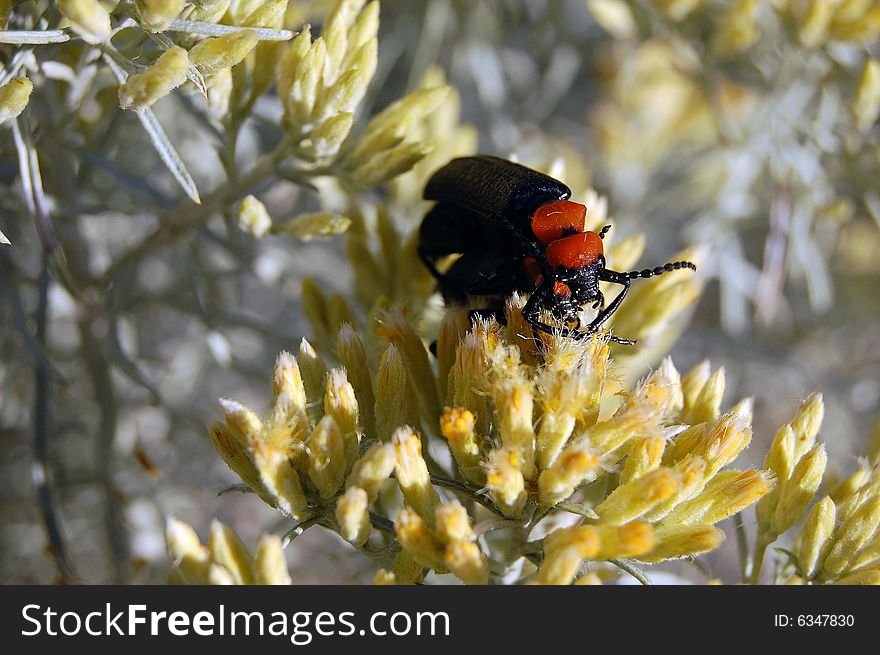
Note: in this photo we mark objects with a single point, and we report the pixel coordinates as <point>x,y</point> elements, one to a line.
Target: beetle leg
<point>447,286</point>
<point>616,278</point>
<point>530,312</point>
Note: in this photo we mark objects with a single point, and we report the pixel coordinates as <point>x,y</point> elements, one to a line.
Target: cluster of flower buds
<point>225,560</point>
<point>321,81</point>
<point>441,540</point>
<point>840,540</point>
<point>798,463</point>
<point>533,437</point>
<point>295,460</point>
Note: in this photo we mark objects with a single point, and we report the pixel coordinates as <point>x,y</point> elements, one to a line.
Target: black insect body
<point>516,230</point>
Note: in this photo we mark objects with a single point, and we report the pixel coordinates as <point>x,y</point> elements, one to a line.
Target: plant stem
<point>634,571</point>
<point>104,392</point>
<point>761,543</point>
<point>191,218</point>
<point>577,508</point>
<point>742,546</point>
<point>455,485</point>
<point>299,528</point>
<point>41,475</point>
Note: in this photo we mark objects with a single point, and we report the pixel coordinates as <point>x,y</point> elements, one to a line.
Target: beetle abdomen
<point>491,186</point>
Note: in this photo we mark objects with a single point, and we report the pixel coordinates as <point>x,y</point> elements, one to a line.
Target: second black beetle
<point>515,230</point>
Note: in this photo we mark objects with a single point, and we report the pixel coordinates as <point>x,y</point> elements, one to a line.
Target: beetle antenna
<point>660,270</point>
<point>604,231</point>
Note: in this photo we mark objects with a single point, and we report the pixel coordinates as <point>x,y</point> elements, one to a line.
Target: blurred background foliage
<point>748,126</point>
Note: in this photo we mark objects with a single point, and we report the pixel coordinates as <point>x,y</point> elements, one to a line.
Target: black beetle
<point>515,230</point>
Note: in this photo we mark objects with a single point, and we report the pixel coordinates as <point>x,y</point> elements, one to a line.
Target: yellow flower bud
<point>396,329</point>
<point>686,444</point>
<point>233,448</point>
<point>560,480</point>
<point>253,217</point>
<point>614,16</point>
<point>353,516</point>
<point>412,473</point>
<point>156,15</point>
<point>644,455</point>
<point>88,18</point>
<point>390,163</point>
<point>738,29</point>
<point>678,10</point>
<point>847,488</point>
<point>675,542</point>
<point>855,22</point>
<point>726,494</point>
<point>341,404</point>
<point>326,449</point>
<point>806,423</point>
<point>629,501</point>
<point>288,391</point>
<point>353,356</point>
<point>814,22</point>
<point>467,562</point>
<point>220,89</point>
<point>585,539</point>
<point>365,28</point>
<point>227,550</point>
<point>513,407</point>
<point>796,492</point>
<point>346,92</point>
<point>310,226</point>
<point>329,135</point>
<point>395,402</point>
<point>468,386</point>
<point>452,523</point>
<point>692,472</point>
<point>189,557</point>
<point>384,577</point>
<point>280,479</point>
<point>864,577</point>
<point>866,105</point>
<point>814,539</point>
<point>215,54</point>
<point>630,540</point>
<point>270,563</point>
<point>727,439</point>
<point>269,14</point>
<point>706,406</point>
<point>643,412</point>
<point>14,96</point>
<point>559,567</point>
<point>505,482</point>
<point>417,539</point>
<point>453,329</point>
<point>309,74</point>
<point>781,457</point>
<point>389,129</point>
<point>371,470</point>
<point>241,419</point>
<point>209,11</point>
<point>851,536</point>
<point>291,59</point>
<point>692,385</point>
<point>588,579</point>
<point>457,426</point>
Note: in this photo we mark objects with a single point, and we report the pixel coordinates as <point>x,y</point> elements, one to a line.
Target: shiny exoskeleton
<point>515,230</point>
